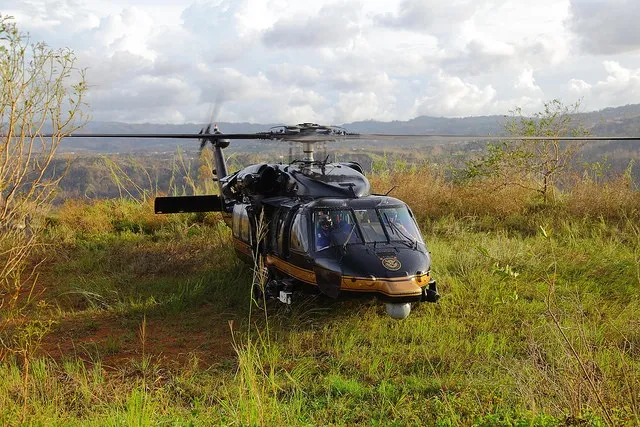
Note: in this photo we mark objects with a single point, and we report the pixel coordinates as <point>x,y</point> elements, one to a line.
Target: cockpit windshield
<point>370,225</point>
<point>341,227</point>
<point>335,228</point>
<point>400,225</point>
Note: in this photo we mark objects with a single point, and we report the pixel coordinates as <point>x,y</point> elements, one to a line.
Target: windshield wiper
<point>344,245</point>
<point>394,226</point>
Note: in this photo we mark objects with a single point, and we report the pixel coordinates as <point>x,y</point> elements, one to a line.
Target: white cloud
<point>338,60</point>
<point>372,80</point>
<point>580,87</point>
<point>526,81</point>
<point>162,97</point>
<point>451,96</point>
<point>353,106</point>
<point>434,16</point>
<point>334,25</point>
<point>621,86</point>
<point>606,27</point>
<point>299,75</point>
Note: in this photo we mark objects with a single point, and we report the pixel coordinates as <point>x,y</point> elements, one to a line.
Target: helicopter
<point>315,225</point>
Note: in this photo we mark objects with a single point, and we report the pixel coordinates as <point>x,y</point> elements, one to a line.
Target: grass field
<point>138,319</point>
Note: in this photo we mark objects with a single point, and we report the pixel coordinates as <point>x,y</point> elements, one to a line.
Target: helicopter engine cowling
<point>260,179</point>
<point>257,179</point>
<point>355,166</point>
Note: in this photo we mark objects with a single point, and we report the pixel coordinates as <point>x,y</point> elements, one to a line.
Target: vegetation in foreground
<point>143,319</point>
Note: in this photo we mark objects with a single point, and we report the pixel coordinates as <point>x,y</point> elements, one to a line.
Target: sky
<point>333,62</point>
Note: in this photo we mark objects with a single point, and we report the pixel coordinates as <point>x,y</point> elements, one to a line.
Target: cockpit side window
<point>281,231</point>
<point>334,228</point>
<point>244,225</point>
<point>241,223</point>
<point>299,240</point>
<point>236,221</point>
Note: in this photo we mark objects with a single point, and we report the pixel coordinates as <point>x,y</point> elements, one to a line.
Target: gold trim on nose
<point>408,286</point>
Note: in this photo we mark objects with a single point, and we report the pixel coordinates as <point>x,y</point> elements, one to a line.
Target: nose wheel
<point>398,311</point>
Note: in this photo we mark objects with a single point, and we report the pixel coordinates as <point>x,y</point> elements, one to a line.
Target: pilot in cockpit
<point>323,231</point>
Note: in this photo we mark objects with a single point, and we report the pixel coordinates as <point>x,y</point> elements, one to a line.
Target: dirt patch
<point>28,293</point>
<point>171,342</point>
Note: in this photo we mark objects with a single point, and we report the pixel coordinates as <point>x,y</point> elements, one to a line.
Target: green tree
<point>41,92</point>
<point>533,163</point>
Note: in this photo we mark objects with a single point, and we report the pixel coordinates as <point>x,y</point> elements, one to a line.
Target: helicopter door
<point>280,234</point>
<point>241,230</point>
<point>299,245</point>
<point>299,235</point>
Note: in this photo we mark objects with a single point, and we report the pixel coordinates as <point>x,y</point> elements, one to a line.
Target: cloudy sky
<point>332,62</point>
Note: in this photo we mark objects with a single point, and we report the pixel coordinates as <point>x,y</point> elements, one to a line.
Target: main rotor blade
<point>352,136</point>
<point>454,138</point>
<point>165,135</point>
<point>381,136</point>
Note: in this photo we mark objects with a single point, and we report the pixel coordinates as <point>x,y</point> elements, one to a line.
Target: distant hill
<point>482,125</point>
<point>623,120</point>
<point>614,121</point>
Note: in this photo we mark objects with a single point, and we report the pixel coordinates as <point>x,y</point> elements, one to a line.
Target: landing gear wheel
<point>398,311</point>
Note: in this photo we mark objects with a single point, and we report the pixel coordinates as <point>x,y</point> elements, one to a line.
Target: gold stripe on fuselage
<point>407,286</point>
<point>391,286</point>
<point>302,274</point>
<point>242,247</point>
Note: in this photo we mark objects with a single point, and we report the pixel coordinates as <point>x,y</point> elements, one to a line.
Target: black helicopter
<point>311,223</point>
<point>314,223</point>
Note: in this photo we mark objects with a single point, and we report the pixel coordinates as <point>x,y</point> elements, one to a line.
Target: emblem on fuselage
<point>392,264</point>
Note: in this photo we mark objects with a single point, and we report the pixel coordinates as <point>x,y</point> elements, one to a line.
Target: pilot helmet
<point>326,222</point>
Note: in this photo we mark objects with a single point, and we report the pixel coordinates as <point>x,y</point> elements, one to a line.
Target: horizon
<point>355,121</point>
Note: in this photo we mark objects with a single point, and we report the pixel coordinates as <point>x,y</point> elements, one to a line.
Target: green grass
<point>530,330</point>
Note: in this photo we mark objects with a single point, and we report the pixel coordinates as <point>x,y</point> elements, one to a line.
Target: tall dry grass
<point>490,352</point>
<point>432,196</point>
<point>611,199</point>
